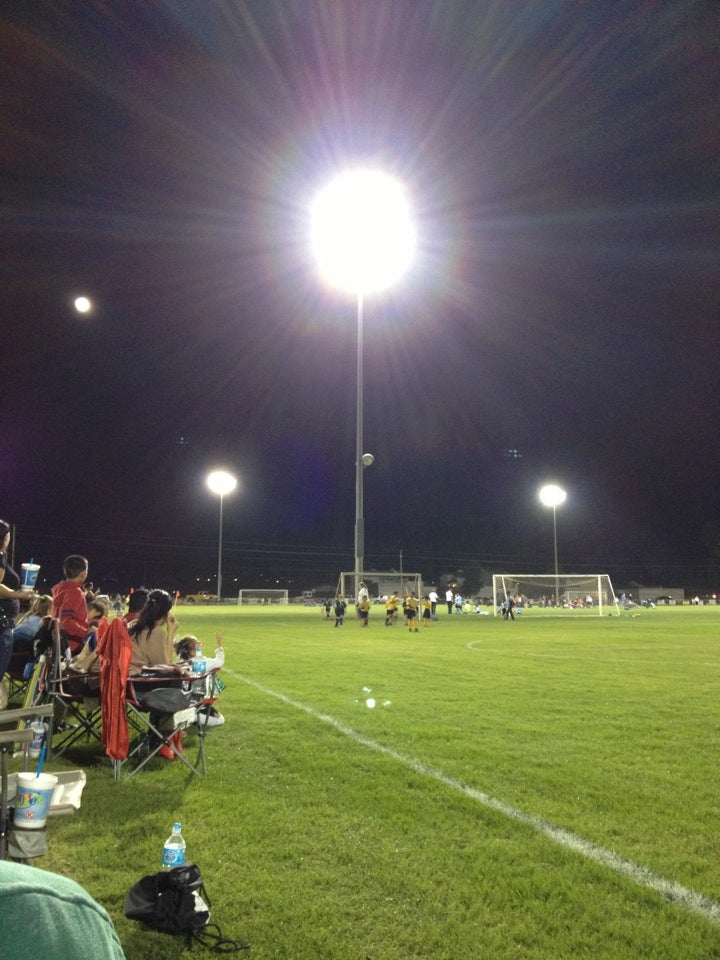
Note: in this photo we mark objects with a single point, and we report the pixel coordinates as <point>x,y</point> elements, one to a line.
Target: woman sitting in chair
<point>152,635</point>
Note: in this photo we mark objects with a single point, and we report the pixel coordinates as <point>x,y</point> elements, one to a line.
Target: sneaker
<point>213,718</point>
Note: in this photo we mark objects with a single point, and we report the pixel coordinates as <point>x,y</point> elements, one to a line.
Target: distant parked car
<point>200,597</point>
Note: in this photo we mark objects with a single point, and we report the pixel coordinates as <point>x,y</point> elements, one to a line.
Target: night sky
<point>559,321</point>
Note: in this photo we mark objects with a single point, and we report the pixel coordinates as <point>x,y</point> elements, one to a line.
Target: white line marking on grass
<point>671,891</point>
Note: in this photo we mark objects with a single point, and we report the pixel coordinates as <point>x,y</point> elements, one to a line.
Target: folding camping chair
<point>76,698</point>
<point>20,668</point>
<point>162,705</point>
<point>8,740</point>
<point>159,707</point>
<point>204,691</point>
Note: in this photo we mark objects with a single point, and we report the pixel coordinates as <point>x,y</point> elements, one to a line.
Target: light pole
<point>363,239</point>
<point>553,496</point>
<point>220,482</point>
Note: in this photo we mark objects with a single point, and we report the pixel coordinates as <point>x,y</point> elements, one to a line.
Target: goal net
<point>591,593</point>
<point>381,584</point>
<point>262,597</point>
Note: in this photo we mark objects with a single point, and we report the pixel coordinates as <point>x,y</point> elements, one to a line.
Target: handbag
<point>5,620</point>
<point>175,901</point>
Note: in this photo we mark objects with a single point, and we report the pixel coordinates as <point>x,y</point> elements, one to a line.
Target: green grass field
<point>540,789</point>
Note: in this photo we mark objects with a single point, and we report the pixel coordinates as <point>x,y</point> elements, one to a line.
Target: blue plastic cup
<point>29,575</point>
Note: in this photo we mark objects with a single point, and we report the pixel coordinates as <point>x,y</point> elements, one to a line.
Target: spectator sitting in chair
<point>23,636</point>
<point>152,635</point>
<point>69,603</point>
<point>136,601</point>
<point>98,610</point>
<point>28,623</point>
<point>87,660</point>
<point>185,649</point>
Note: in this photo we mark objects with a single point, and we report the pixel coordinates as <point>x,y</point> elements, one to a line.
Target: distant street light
<point>220,482</point>
<point>553,496</point>
<point>82,304</point>
<point>363,239</point>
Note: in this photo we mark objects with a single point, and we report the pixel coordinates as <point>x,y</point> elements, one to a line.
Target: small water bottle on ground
<point>198,660</point>
<point>174,849</point>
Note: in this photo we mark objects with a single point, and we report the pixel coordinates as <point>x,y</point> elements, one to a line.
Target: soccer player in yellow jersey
<point>426,611</point>
<point>391,605</point>
<point>411,611</point>
<point>363,610</point>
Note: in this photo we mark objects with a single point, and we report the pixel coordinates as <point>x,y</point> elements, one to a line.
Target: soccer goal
<point>381,584</point>
<point>588,592</point>
<point>262,597</point>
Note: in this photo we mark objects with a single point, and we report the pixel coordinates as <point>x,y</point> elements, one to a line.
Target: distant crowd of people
<point>413,608</point>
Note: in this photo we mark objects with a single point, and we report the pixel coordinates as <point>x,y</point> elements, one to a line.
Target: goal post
<point>260,597</point>
<point>570,591</point>
<point>381,584</point>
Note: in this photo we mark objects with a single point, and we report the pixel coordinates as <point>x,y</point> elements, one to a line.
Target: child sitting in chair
<point>185,649</point>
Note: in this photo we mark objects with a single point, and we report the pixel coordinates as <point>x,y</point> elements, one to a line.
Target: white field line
<point>671,891</point>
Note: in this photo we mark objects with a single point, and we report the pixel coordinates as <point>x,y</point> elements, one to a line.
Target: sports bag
<point>175,901</point>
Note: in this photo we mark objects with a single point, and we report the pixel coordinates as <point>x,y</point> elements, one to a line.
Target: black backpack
<point>175,902</point>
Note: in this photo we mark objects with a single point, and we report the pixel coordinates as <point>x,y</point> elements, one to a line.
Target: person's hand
<point>172,624</point>
<point>218,640</point>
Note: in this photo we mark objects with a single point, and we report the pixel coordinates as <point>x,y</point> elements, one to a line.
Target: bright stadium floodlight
<point>82,304</point>
<point>220,482</point>
<point>551,495</point>
<point>362,233</point>
<point>363,239</point>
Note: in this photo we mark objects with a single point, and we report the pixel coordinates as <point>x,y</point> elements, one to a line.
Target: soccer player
<point>411,610</point>
<point>363,609</point>
<point>391,605</point>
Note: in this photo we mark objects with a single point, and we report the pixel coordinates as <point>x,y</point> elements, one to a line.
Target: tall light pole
<point>553,496</point>
<point>220,482</point>
<point>363,239</point>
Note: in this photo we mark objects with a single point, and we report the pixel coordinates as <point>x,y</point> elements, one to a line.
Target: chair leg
<point>202,727</point>
<point>163,741</point>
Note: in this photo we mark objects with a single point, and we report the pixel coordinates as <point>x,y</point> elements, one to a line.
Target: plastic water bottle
<point>198,660</point>
<point>39,732</point>
<point>174,849</point>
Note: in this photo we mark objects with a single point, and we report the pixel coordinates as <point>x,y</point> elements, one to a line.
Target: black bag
<point>165,699</point>
<point>43,639</point>
<point>175,901</point>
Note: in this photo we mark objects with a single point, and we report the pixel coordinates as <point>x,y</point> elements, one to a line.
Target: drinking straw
<point>41,761</point>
